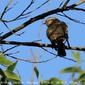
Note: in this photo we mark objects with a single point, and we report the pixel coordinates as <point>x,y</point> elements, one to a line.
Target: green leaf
<point>11,67</point>
<point>56,81</point>
<point>4,61</point>
<point>81,76</point>
<point>11,76</point>
<point>2,72</point>
<point>71,70</point>
<point>76,56</point>
<point>52,81</point>
<point>3,78</point>
<point>36,71</point>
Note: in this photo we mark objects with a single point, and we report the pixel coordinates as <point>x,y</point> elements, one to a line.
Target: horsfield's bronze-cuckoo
<point>57,33</point>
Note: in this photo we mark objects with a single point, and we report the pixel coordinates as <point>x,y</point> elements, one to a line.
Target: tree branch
<point>34,44</point>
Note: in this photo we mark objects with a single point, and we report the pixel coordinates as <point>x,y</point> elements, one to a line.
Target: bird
<point>57,33</point>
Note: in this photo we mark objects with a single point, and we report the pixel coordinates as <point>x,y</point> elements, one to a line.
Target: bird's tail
<point>61,49</point>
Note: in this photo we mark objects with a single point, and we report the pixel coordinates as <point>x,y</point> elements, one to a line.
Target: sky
<point>37,31</point>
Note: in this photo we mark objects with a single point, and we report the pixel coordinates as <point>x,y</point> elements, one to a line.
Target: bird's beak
<point>44,22</point>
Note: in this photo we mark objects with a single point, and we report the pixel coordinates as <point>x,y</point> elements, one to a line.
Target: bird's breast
<point>54,32</point>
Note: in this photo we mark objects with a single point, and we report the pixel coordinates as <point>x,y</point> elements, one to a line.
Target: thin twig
<point>8,9</point>
<point>11,29</point>
<point>10,48</point>
<point>9,54</point>
<point>74,20</point>
<point>26,60</point>
<point>57,55</point>
<point>36,40</point>
<point>79,9</point>
<point>5,9</point>
<point>37,7</point>
<point>21,14</point>
<point>61,3</point>
<point>20,18</point>
<point>65,4</point>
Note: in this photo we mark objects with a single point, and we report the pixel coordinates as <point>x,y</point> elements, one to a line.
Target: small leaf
<point>36,71</point>
<point>11,76</point>
<point>52,81</point>
<point>81,76</point>
<point>3,78</point>
<point>76,56</point>
<point>12,67</point>
<point>4,61</point>
<point>71,70</point>
<point>56,81</point>
<point>2,72</point>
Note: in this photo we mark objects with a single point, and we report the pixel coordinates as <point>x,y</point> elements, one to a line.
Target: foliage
<point>8,75</point>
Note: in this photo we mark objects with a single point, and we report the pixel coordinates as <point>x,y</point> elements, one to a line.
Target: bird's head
<point>51,20</point>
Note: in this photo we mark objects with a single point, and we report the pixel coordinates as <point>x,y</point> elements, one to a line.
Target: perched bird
<point>57,33</point>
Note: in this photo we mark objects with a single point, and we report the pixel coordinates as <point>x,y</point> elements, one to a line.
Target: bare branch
<point>26,60</point>
<point>65,4</point>
<point>39,45</point>
<point>12,53</point>
<point>74,20</point>
<point>11,29</point>
<point>21,14</point>
<point>57,55</point>
<point>19,18</point>
<point>43,61</point>
<point>10,49</point>
<point>37,7</point>
<point>5,9</point>
<point>79,9</point>
<point>8,9</point>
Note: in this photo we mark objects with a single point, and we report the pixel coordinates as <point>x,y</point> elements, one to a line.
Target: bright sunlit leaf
<point>12,67</point>
<point>4,61</point>
<point>11,76</point>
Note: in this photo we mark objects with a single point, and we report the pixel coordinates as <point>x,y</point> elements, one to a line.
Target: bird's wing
<point>64,26</point>
<point>51,33</point>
